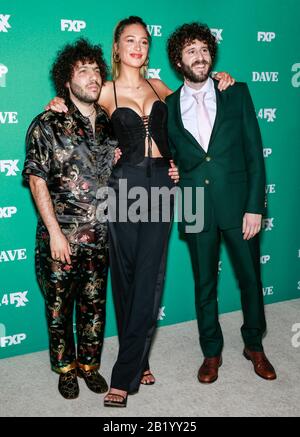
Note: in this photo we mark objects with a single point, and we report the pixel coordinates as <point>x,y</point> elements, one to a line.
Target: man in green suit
<point>216,143</point>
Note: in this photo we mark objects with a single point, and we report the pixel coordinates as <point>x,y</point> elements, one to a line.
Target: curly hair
<point>133,19</point>
<point>66,59</point>
<point>186,34</point>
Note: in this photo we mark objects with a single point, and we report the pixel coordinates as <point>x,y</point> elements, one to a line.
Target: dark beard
<point>191,76</point>
<point>82,96</point>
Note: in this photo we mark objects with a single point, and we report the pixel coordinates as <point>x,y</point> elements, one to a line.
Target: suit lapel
<point>186,133</point>
<point>221,98</point>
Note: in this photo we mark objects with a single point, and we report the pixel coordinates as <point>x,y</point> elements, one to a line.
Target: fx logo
<point>267,152</point>
<point>19,298</point>
<point>265,259</point>
<point>4,24</point>
<point>217,34</point>
<point>267,114</point>
<point>154,29</point>
<point>161,313</point>
<point>270,189</point>
<point>267,224</point>
<point>3,73</point>
<point>265,36</point>
<point>268,291</point>
<point>9,166</point>
<point>296,337</point>
<point>7,211</point>
<point>265,76</point>
<point>153,73</point>
<point>8,117</point>
<point>11,340</point>
<point>72,25</point>
<point>296,77</point>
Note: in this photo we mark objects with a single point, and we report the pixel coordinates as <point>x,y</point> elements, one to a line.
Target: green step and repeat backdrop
<point>258,43</point>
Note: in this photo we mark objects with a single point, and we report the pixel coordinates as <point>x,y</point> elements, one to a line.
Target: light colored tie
<point>203,121</point>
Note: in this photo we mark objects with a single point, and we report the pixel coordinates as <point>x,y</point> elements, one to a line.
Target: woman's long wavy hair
<point>115,65</point>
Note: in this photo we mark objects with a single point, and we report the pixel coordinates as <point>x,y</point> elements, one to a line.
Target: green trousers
<point>245,256</point>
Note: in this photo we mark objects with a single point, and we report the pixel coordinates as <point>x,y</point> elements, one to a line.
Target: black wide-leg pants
<point>137,250</point>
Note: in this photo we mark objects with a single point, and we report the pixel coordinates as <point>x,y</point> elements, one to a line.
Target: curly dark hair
<point>186,34</point>
<point>66,59</point>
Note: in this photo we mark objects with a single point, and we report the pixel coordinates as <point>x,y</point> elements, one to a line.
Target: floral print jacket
<point>76,163</point>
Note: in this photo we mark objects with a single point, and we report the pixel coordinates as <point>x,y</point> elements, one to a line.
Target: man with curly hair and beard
<point>216,144</point>
<point>69,157</point>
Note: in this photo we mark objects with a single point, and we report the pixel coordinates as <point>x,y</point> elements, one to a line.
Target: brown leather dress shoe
<point>262,365</point>
<point>208,372</point>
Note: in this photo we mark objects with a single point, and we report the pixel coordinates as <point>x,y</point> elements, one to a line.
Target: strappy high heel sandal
<point>114,403</point>
<point>147,373</point>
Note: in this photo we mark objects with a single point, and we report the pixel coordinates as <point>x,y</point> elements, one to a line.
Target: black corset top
<point>131,130</point>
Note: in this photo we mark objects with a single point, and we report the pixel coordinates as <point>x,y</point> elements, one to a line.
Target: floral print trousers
<point>81,284</point>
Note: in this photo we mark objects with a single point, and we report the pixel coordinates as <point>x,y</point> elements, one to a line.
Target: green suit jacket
<point>232,170</point>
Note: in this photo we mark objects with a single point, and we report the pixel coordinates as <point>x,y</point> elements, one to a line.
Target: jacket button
<point>208,158</point>
<point>206,181</point>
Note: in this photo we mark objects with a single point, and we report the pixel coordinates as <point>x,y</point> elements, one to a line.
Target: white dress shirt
<point>188,106</point>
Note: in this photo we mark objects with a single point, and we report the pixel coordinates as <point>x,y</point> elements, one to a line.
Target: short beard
<point>193,77</point>
<point>83,96</point>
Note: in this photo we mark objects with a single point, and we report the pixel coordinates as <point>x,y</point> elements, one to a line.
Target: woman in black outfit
<point>137,248</point>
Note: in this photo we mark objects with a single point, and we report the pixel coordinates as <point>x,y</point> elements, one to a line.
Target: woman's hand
<point>173,172</point>
<point>118,154</point>
<point>57,105</point>
<point>225,80</point>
